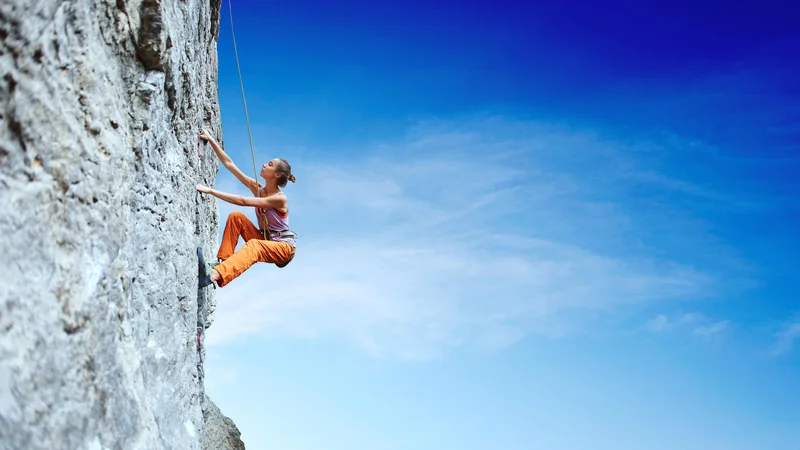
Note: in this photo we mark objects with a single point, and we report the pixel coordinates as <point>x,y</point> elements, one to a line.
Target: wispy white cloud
<point>472,234</point>
<point>694,323</point>
<point>658,323</point>
<point>417,298</point>
<point>786,338</point>
<point>713,329</point>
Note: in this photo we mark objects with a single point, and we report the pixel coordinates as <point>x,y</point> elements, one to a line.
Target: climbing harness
<point>290,234</point>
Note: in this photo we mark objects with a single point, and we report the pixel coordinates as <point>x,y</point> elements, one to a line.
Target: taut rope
<point>247,118</point>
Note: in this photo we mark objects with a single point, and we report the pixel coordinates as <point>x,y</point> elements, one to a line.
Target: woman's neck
<point>271,189</point>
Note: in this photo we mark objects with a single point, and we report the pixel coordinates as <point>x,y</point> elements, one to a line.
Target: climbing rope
<point>246,116</point>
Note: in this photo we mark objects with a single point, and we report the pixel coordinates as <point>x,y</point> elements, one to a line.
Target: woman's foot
<point>211,278</point>
<point>206,273</point>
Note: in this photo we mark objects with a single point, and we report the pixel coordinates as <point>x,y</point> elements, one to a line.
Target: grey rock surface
<point>221,432</point>
<point>101,103</point>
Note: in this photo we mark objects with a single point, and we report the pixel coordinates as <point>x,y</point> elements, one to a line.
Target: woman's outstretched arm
<point>228,163</point>
<point>277,201</point>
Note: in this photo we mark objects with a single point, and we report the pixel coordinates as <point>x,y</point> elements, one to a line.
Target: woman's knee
<point>236,215</point>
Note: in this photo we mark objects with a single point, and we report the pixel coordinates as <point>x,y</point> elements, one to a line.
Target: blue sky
<point>523,226</point>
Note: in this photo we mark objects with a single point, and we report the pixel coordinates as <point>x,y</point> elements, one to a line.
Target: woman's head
<point>280,170</point>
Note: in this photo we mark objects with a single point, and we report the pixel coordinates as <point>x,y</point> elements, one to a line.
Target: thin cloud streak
<point>786,338</point>
<point>417,299</point>
<point>695,323</point>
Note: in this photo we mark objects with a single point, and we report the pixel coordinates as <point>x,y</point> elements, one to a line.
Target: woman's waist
<point>279,234</point>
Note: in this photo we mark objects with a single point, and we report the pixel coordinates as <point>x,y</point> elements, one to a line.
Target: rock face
<point>101,103</point>
<point>221,432</point>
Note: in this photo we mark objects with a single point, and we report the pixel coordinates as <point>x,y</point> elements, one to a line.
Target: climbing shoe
<point>284,264</point>
<point>210,267</point>
<point>206,281</point>
<point>204,270</point>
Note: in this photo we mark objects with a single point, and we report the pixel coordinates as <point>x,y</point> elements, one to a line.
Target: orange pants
<point>255,248</point>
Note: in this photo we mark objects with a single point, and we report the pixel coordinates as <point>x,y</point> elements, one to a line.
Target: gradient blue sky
<point>523,226</point>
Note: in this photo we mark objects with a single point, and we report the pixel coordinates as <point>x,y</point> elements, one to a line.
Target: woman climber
<point>272,242</point>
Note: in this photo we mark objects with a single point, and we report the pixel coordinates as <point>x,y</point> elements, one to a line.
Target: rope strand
<point>246,116</point>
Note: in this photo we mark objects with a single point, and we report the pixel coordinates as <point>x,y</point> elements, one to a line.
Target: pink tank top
<point>277,220</point>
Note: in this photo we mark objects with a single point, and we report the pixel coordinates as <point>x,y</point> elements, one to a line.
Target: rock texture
<point>100,317</point>
<point>221,432</point>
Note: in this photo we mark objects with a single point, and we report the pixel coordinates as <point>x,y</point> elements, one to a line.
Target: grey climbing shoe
<point>204,270</point>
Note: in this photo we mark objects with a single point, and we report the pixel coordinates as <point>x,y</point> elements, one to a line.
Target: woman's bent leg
<point>236,225</point>
<point>255,250</point>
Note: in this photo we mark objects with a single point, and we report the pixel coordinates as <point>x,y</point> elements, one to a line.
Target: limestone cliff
<point>101,103</point>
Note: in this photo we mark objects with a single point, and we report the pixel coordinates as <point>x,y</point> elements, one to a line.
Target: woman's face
<point>268,169</point>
